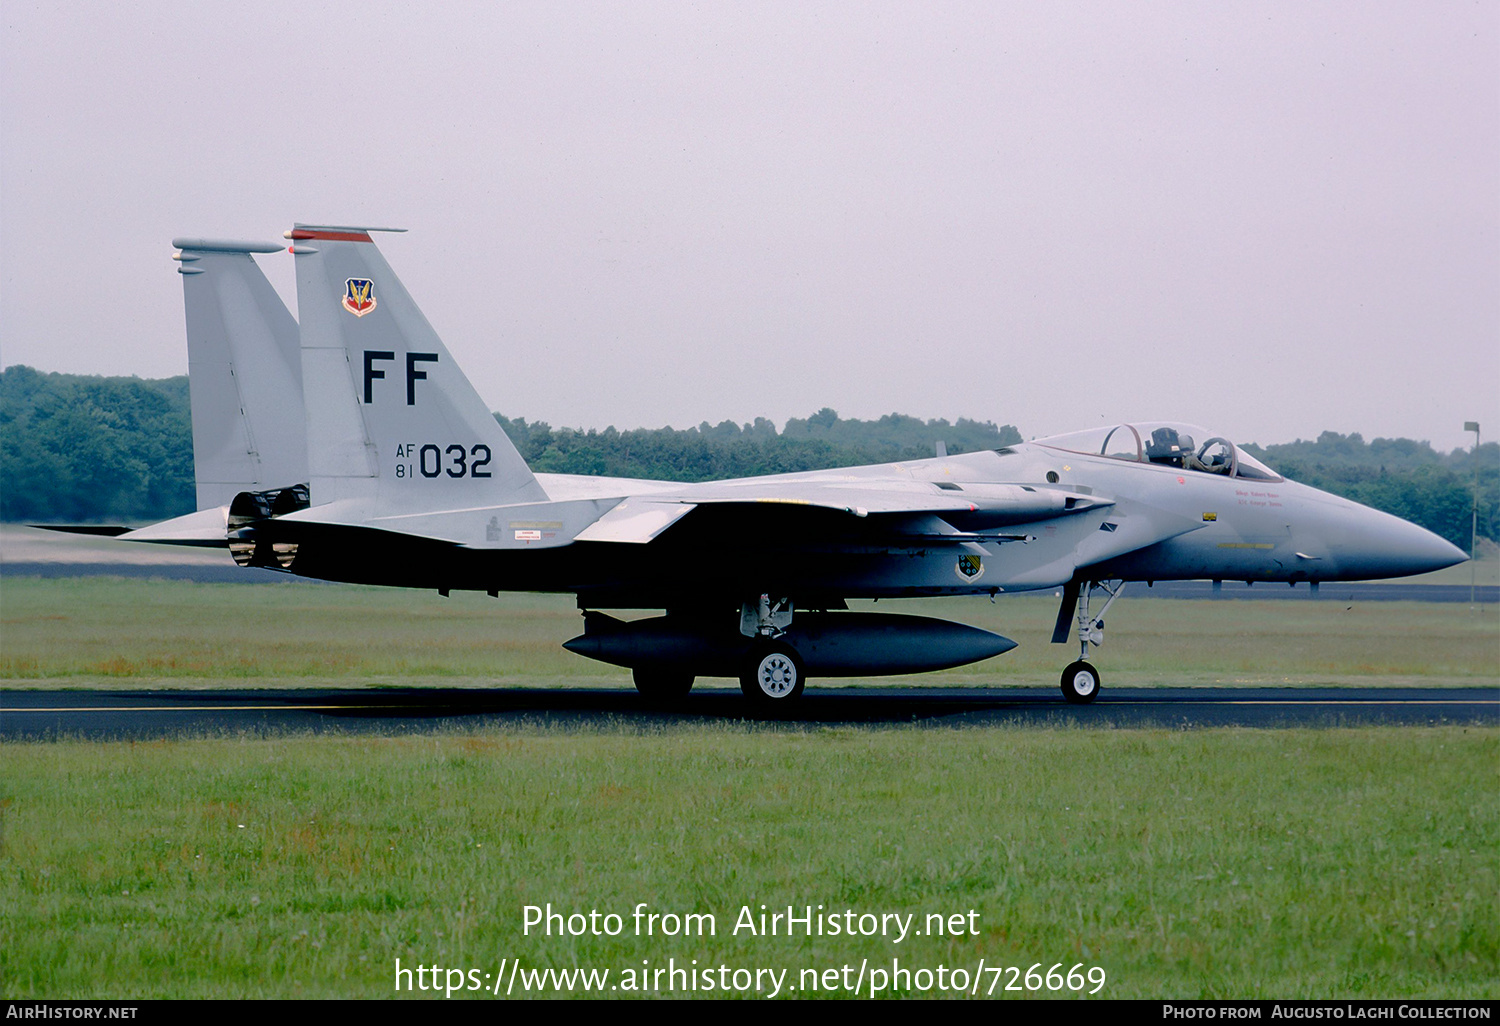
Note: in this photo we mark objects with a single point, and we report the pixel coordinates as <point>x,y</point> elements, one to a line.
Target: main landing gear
<point>1081,681</point>
<point>770,670</point>
<point>772,673</point>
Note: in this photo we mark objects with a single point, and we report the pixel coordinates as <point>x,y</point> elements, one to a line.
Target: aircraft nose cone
<point>1434,553</point>
<point>1417,550</point>
<point>1386,546</point>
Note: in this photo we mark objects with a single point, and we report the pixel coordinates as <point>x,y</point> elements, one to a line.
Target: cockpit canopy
<point>1185,446</point>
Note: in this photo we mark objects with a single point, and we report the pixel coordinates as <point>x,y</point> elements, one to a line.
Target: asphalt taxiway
<point>147,715</point>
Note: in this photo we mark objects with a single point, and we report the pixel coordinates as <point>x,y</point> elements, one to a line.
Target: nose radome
<point>1438,552</point>
<point>1381,545</point>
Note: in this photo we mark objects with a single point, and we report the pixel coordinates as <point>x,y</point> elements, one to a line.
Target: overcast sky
<point>1269,218</point>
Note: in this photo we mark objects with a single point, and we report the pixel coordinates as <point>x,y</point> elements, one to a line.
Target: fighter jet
<point>347,445</point>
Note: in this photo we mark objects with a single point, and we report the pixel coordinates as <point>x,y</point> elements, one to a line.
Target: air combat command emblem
<point>359,296</point>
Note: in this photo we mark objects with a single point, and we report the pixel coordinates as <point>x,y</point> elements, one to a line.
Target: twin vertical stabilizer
<point>393,425</point>
<point>244,373</point>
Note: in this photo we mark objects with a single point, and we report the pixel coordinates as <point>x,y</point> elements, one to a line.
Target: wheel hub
<point>777,675</point>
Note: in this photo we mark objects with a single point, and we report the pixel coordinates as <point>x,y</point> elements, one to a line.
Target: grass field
<point>83,632</point>
<point>1214,863</point>
<point>1210,864</point>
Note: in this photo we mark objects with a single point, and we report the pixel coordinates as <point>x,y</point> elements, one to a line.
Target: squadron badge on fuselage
<point>359,296</point>
<point>970,567</point>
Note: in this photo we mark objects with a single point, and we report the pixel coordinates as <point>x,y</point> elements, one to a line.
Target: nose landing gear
<point>1081,681</point>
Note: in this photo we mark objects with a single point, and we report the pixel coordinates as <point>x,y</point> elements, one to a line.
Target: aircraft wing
<point>860,502</point>
<point>917,511</point>
<point>913,512</point>
<point>638,520</point>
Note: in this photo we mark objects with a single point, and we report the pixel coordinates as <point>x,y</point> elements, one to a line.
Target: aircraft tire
<point>1080,683</point>
<point>661,685</point>
<point>773,674</point>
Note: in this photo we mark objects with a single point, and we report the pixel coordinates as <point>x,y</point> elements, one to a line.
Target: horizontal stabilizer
<point>100,530</point>
<point>206,528</point>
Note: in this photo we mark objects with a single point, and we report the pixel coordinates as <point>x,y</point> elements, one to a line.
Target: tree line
<point>727,449</point>
<point>77,448</point>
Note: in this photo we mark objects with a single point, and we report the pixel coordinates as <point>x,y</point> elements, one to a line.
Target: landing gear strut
<point>772,673</point>
<point>1081,681</point>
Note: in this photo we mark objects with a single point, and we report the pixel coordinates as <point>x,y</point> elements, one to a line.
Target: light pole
<point>1473,425</point>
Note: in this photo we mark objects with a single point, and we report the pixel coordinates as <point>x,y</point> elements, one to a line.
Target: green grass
<point>118,629</point>
<point>1225,863</point>
<point>1215,863</point>
<point>87,632</point>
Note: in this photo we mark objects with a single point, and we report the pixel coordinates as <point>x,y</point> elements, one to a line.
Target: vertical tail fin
<point>244,373</point>
<point>391,420</point>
